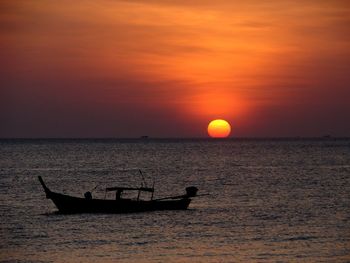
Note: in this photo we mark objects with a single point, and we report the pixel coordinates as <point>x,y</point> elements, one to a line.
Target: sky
<point>164,68</point>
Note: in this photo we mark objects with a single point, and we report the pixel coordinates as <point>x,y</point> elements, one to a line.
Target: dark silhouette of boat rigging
<point>70,204</point>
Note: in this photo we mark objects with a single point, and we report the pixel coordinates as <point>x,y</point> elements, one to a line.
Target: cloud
<point>87,65</point>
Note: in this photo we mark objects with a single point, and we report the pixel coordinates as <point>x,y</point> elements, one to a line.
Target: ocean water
<point>269,201</point>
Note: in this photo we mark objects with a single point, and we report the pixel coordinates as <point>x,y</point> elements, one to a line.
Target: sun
<point>219,129</point>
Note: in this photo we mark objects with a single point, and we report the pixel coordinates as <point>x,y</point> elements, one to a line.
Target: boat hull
<point>70,204</point>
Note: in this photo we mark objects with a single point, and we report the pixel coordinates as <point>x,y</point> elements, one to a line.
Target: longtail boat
<point>70,204</point>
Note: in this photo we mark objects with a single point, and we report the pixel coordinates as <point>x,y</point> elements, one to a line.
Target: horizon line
<point>141,138</point>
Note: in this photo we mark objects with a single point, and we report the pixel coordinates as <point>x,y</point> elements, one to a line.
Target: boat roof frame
<point>144,189</point>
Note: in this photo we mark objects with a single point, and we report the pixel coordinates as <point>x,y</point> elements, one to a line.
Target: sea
<point>262,200</point>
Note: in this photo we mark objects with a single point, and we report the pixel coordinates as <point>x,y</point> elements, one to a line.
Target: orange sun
<point>219,129</point>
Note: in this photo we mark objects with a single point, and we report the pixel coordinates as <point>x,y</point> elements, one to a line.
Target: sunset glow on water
<point>261,205</point>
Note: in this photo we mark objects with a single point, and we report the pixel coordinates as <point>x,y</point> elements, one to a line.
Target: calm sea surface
<point>270,201</point>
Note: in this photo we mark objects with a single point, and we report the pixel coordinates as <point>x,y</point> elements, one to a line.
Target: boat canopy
<point>145,189</point>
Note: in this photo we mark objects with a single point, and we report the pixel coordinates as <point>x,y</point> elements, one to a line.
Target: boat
<point>67,204</point>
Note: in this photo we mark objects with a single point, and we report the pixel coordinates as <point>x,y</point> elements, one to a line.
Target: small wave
<point>299,238</point>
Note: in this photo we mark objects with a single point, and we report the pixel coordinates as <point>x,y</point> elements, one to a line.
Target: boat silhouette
<point>70,204</point>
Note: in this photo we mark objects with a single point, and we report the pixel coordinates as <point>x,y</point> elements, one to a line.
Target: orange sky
<point>166,68</point>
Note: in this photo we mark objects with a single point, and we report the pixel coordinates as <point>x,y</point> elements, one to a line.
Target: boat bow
<point>46,189</point>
